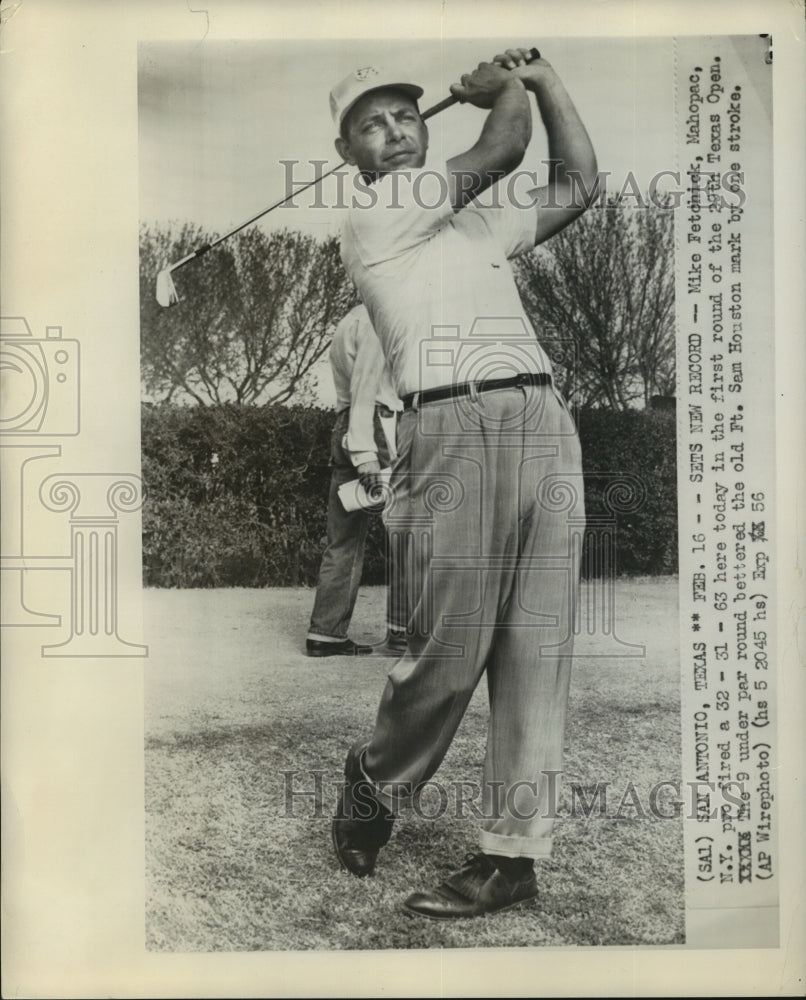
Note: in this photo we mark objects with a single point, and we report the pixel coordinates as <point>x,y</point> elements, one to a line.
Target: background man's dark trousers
<point>343,558</point>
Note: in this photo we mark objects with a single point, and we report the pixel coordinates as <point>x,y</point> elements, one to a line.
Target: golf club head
<point>166,290</point>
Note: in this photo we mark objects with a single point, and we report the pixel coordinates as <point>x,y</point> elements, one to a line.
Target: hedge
<point>236,496</point>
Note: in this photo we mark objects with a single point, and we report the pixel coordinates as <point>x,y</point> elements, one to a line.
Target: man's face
<point>384,132</point>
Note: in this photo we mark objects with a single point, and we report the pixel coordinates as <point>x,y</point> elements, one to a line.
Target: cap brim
<point>411,89</point>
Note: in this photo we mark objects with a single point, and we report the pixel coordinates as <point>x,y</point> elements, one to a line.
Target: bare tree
<point>601,294</point>
<point>653,327</point>
<point>254,316</point>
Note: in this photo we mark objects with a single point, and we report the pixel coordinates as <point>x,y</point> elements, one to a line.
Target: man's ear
<point>344,151</point>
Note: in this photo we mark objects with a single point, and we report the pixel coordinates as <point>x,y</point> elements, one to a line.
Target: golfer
<point>363,440</point>
<point>487,486</point>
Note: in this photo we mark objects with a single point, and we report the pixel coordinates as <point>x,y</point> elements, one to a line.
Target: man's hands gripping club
<point>503,86</point>
<point>499,86</point>
<point>481,87</point>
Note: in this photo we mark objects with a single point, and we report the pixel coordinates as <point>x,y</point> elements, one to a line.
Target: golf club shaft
<point>209,246</point>
<point>429,113</point>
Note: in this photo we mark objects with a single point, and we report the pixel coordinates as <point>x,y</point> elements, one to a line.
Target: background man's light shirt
<point>361,379</point>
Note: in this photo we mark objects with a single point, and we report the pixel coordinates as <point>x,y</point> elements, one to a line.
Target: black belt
<point>468,388</point>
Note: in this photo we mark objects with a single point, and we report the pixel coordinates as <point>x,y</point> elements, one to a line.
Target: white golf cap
<point>361,81</point>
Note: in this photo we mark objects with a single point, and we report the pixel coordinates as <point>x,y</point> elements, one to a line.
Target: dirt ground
<point>233,707</point>
<point>210,651</point>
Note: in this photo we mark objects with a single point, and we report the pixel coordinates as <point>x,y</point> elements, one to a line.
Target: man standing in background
<point>362,443</point>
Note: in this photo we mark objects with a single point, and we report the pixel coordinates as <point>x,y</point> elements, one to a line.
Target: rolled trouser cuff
<point>515,847</point>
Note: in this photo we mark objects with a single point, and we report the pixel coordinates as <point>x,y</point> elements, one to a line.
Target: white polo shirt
<point>437,284</point>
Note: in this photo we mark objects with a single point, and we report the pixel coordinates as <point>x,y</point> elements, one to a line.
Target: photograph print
<point>409,447</point>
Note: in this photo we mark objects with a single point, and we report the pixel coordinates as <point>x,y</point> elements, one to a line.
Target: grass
<point>232,702</point>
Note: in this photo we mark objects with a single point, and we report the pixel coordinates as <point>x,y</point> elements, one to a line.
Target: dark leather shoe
<point>475,890</point>
<point>313,647</point>
<point>361,826</point>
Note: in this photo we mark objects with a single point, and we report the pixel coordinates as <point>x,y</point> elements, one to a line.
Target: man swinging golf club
<point>484,442</point>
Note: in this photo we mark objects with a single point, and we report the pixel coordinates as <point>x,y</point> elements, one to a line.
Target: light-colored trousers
<point>488,513</point>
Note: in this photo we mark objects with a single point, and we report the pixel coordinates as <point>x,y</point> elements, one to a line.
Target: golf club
<point>166,290</point>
